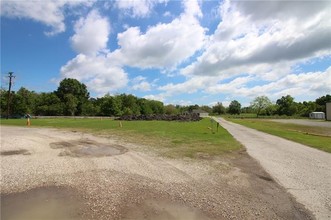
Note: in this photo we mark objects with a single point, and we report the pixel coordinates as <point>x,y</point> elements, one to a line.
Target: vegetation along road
<point>305,172</point>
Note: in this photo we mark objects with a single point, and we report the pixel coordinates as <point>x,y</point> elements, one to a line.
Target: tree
<point>3,102</point>
<point>25,101</point>
<point>206,108</point>
<point>260,103</point>
<point>234,107</point>
<point>286,106</point>
<point>171,110</point>
<point>110,106</point>
<point>321,102</point>
<point>71,103</point>
<point>305,108</point>
<point>129,104</point>
<point>77,90</point>
<point>218,108</point>
<point>48,104</point>
<point>90,108</point>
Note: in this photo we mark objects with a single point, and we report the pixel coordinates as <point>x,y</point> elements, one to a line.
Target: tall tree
<point>70,88</point>
<point>260,103</point>
<point>286,106</point>
<point>234,107</point>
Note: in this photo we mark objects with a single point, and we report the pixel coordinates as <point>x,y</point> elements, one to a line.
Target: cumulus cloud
<point>138,8</point>
<point>140,83</point>
<point>98,72</point>
<point>48,12</point>
<point>244,40</point>
<point>91,34</point>
<point>163,45</point>
<point>295,84</point>
<point>92,65</point>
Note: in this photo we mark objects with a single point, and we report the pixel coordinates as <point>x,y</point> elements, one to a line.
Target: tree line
<point>262,106</point>
<point>73,99</point>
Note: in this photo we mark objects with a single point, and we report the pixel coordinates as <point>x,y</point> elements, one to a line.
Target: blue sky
<point>179,52</point>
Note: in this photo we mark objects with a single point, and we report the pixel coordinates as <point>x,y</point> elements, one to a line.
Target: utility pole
<point>10,76</point>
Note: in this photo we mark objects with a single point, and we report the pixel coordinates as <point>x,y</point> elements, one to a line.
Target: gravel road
<point>91,177</point>
<point>305,172</point>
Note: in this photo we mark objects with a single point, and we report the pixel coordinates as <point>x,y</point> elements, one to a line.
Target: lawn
<point>317,137</point>
<point>172,139</point>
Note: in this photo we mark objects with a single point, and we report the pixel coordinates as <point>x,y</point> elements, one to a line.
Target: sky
<point>178,52</point>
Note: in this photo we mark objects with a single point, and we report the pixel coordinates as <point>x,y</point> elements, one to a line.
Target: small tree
<point>234,107</point>
<point>260,103</point>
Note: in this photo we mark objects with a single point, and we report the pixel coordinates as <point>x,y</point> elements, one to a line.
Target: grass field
<point>173,139</point>
<point>317,137</point>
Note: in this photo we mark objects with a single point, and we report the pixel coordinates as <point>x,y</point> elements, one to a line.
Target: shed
<point>200,112</point>
<point>317,115</point>
<point>328,111</point>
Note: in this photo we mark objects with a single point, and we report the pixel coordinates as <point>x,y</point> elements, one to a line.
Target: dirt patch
<point>88,148</point>
<point>162,210</point>
<point>42,203</point>
<point>15,152</point>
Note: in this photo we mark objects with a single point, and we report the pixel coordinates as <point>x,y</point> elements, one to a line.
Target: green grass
<point>316,137</point>
<point>172,139</point>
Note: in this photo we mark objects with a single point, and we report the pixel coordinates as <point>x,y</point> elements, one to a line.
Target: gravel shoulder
<point>135,183</point>
<point>304,172</point>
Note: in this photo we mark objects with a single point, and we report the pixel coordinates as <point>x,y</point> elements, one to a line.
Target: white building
<point>317,115</point>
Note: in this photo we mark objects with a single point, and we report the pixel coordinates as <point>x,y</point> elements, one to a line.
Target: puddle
<point>46,203</point>
<point>161,210</point>
<point>88,148</point>
<point>15,152</point>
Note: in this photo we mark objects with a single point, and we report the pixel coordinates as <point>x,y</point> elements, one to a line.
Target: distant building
<point>317,115</point>
<point>328,111</point>
<point>200,112</point>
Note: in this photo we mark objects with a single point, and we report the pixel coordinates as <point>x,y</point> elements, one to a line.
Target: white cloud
<point>160,97</point>
<point>163,45</point>
<point>91,34</point>
<point>243,40</point>
<point>138,8</point>
<point>48,12</point>
<point>92,65</point>
<point>140,83</point>
<point>98,72</point>
<point>191,85</point>
<point>308,85</point>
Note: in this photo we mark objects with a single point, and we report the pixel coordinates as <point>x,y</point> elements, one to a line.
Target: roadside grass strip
<point>172,139</point>
<point>313,136</point>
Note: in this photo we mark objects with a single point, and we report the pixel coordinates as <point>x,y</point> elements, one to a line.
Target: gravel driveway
<point>305,172</point>
<point>91,177</point>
